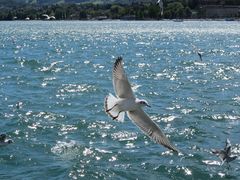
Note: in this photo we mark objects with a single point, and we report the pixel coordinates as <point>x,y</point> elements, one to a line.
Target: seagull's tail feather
<point>111,108</point>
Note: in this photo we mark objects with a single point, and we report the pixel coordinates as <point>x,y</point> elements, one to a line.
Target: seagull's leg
<point>111,108</point>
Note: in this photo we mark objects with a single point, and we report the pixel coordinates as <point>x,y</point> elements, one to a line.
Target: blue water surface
<point>54,76</point>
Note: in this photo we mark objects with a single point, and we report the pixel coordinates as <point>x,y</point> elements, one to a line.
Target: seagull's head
<point>142,102</point>
<point>2,137</point>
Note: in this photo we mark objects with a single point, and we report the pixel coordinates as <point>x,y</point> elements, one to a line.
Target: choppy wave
<point>54,77</point>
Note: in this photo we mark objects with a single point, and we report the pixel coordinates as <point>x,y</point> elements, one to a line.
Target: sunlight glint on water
<point>54,77</point>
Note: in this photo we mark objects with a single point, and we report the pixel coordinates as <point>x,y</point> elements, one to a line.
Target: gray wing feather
<point>120,82</point>
<point>150,128</point>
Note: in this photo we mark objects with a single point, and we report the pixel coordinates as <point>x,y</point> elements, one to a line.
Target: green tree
<point>116,11</point>
<point>188,12</point>
<point>9,16</point>
<point>82,14</point>
<point>59,13</point>
<point>140,15</point>
<point>193,4</point>
<point>153,11</point>
<point>174,10</point>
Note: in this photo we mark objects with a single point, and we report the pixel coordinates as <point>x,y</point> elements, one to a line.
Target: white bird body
<point>127,102</point>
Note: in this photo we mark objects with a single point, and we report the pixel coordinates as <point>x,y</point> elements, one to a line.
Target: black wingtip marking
<point>119,59</point>
<point>105,104</point>
<point>106,108</point>
<point>170,146</point>
<point>117,62</point>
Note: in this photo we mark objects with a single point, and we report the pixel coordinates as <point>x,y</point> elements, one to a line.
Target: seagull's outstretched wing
<point>120,82</point>
<point>141,119</point>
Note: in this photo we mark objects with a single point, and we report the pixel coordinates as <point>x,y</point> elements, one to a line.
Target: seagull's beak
<point>148,105</point>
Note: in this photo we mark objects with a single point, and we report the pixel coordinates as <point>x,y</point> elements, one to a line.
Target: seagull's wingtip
<point>173,148</point>
<point>176,150</point>
<point>118,60</point>
<point>117,63</point>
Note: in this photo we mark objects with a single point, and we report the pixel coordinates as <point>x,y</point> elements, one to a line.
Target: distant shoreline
<point>105,20</point>
<point>114,11</point>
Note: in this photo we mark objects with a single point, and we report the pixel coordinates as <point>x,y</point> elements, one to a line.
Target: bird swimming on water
<point>225,154</point>
<point>4,141</point>
<point>126,101</point>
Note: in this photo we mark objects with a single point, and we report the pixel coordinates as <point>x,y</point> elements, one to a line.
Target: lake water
<point>55,75</point>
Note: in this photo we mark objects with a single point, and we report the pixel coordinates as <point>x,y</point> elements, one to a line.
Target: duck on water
<point>4,141</point>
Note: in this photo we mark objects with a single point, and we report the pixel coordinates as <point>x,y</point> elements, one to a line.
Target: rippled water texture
<point>54,77</point>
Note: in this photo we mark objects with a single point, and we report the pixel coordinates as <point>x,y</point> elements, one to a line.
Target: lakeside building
<point>220,11</point>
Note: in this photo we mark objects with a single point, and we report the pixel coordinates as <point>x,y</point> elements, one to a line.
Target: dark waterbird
<point>4,141</point>
<point>225,154</point>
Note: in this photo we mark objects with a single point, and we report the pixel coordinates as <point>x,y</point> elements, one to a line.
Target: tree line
<point>92,11</point>
<point>139,11</point>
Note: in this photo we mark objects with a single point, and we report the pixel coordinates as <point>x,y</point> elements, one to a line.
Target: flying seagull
<point>4,141</point>
<point>225,154</point>
<point>125,101</point>
<point>160,3</point>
